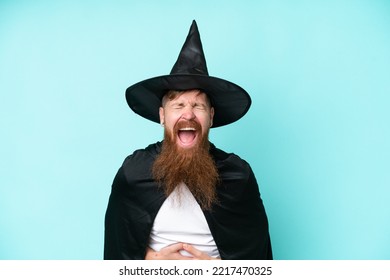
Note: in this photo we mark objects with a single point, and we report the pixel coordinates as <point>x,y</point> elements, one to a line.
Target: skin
<point>190,105</point>
<point>172,252</point>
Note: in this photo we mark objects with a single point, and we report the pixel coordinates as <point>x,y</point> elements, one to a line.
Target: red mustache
<point>186,124</point>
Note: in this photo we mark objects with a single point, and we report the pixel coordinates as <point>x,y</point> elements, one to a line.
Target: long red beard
<point>193,166</point>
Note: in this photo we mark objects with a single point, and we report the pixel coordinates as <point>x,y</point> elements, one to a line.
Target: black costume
<point>238,223</point>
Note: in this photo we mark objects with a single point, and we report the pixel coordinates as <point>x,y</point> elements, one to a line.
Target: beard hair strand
<point>194,167</point>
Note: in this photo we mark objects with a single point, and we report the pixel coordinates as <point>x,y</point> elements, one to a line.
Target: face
<point>187,117</point>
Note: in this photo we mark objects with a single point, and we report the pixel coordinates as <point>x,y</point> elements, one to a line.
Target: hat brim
<point>229,100</point>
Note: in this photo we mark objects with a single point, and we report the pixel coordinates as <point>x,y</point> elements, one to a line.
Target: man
<point>183,198</point>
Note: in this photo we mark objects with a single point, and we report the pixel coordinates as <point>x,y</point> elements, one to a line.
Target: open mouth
<point>186,135</point>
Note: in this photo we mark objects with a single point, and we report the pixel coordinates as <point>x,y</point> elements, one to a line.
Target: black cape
<point>238,223</point>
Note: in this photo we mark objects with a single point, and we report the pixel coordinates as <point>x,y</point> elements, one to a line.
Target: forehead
<point>193,95</point>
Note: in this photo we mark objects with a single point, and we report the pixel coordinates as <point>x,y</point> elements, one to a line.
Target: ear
<point>211,116</point>
<point>161,112</point>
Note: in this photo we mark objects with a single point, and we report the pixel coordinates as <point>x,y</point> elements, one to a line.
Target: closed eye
<point>178,105</point>
<point>199,106</point>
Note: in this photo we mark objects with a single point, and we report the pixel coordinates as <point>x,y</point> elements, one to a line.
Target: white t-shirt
<point>180,219</point>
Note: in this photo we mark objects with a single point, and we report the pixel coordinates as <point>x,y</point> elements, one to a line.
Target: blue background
<point>317,135</point>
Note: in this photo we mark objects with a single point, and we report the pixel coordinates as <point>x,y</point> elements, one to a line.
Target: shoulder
<point>238,182</point>
<point>133,183</point>
<point>137,166</point>
<point>143,156</point>
<point>230,162</point>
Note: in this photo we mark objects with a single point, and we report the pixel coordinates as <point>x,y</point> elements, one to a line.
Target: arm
<point>125,222</point>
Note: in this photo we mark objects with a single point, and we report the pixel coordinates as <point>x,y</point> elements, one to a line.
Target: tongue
<point>186,136</point>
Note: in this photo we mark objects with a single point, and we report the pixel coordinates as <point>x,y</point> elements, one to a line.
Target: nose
<point>188,113</point>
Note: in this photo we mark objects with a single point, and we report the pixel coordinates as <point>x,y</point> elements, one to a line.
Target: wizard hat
<point>229,100</point>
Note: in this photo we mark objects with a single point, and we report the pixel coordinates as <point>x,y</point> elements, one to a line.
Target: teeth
<point>187,128</point>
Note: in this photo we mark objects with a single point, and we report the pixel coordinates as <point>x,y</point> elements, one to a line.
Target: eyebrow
<point>172,95</point>
<point>192,103</point>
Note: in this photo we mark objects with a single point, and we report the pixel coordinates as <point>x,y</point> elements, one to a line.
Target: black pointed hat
<point>229,100</point>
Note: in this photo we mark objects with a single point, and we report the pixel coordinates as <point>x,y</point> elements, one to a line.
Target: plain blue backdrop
<point>317,134</point>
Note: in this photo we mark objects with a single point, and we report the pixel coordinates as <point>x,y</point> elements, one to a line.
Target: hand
<point>171,252</point>
<point>197,254</point>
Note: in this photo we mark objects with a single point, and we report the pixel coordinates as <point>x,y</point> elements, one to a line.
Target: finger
<point>195,252</point>
<point>172,252</point>
<point>181,257</point>
<point>173,248</point>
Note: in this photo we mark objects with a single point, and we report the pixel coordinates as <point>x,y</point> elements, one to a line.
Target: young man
<point>183,198</point>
